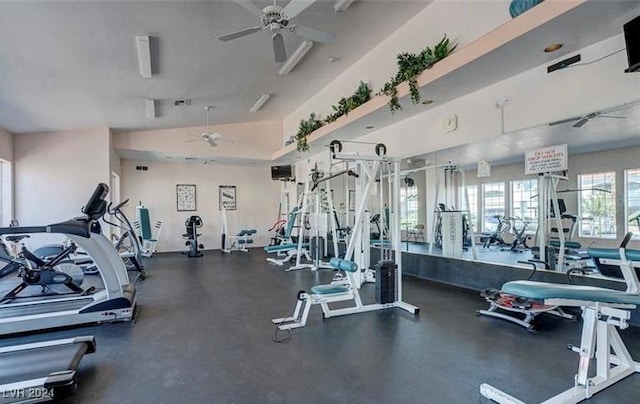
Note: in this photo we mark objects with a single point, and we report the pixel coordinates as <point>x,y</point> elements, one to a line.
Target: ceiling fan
<point>582,120</point>
<point>210,137</point>
<point>276,19</point>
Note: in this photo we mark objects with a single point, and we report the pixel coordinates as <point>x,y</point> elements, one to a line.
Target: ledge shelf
<point>508,50</point>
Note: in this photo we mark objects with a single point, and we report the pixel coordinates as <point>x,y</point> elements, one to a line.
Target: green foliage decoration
<point>410,65</point>
<point>344,106</point>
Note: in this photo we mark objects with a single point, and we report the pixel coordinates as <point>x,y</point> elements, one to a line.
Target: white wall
<point>6,193</point>
<point>257,199</point>
<point>56,172</point>
<point>6,145</point>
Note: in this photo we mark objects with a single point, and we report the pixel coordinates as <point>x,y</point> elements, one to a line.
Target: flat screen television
<point>632,41</point>
<point>282,173</point>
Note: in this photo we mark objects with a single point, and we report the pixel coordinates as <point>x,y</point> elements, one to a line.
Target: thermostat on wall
<point>450,123</point>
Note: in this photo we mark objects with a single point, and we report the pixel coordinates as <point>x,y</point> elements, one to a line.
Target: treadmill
<point>42,371</point>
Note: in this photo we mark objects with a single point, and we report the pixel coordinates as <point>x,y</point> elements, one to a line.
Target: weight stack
<point>385,282</point>
<point>321,253</point>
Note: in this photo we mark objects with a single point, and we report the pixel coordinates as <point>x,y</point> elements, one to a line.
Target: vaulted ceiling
<point>68,65</point>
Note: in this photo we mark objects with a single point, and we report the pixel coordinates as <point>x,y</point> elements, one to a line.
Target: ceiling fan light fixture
<point>260,102</point>
<point>295,58</point>
<point>144,55</point>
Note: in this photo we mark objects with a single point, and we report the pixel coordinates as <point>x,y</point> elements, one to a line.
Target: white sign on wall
<point>546,159</point>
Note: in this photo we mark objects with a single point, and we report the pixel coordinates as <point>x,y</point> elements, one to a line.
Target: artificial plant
<point>410,65</point>
<point>344,106</point>
<point>304,129</point>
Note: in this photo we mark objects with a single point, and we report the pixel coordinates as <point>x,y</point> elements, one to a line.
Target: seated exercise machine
<point>115,302</point>
<point>145,233</point>
<point>603,312</point>
<point>388,273</point>
<point>42,371</point>
<point>238,242</point>
<point>284,246</point>
<point>191,234</point>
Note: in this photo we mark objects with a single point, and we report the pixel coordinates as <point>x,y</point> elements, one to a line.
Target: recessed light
<point>553,47</point>
<point>427,102</point>
<point>332,59</point>
<point>369,127</point>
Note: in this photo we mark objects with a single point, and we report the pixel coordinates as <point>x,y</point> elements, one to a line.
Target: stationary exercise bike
<point>55,271</point>
<point>192,225</point>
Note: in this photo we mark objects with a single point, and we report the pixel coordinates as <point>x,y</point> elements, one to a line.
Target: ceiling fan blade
<point>212,142</point>
<point>611,116</point>
<point>312,34</point>
<point>295,7</point>
<point>580,123</point>
<point>239,34</point>
<point>193,140</point>
<point>565,121</point>
<point>250,6</point>
<point>223,139</point>
<point>279,51</point>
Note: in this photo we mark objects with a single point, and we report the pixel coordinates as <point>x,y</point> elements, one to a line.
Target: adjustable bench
<point>289,251</point>
<point>241,240</point>
<point>603,311</point>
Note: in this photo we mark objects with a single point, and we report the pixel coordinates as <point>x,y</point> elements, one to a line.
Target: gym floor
<point>204,335</point>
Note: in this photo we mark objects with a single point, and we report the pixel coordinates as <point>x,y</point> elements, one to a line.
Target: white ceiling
<point>598,134</point>
<point>70,65</point>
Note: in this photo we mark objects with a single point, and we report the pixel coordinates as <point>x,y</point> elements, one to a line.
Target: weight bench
<point>289,251</point>
<point>603,311</point>
<point>241,240</point>
<point>323,295</point>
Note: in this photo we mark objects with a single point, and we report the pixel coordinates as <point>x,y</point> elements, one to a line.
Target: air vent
<point>142,168</point>
<point>179,103</point>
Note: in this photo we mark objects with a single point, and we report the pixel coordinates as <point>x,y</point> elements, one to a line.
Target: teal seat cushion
<point>567,244</point>
<point>613,253</point>
<point>284,247</point>
<point>543,290</point>
<point>332,289</point>
<point>610,253</point>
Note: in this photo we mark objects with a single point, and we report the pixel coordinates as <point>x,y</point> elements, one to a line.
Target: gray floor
<point>204,335</point>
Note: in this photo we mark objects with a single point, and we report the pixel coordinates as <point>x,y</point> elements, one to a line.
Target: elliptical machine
<point>192,225</point>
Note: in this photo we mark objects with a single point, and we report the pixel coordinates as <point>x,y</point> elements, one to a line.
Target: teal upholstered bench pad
<point>567,244</point>
<point>284,247</point>
<point>543,290</point>
<point>332,289</point>
<point>614,253</point>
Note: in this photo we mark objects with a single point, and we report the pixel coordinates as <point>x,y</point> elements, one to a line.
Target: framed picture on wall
<point>227,197</point>
<point>186,197</point>
<point>352,200</point>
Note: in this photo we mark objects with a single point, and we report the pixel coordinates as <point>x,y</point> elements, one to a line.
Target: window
<point>492,204</point>
<point>597,204</point>
<point>524,203</point>
<point>472,192</point>
<point>632,202</point>
<point>408,207</point>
